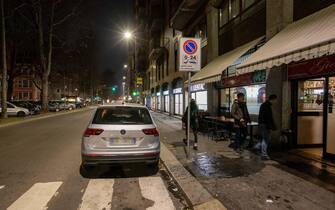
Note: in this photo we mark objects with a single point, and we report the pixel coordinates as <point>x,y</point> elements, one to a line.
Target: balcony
<point>185,12</point>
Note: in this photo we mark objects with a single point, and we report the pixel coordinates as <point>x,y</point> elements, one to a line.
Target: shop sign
<point>165,92</point>
<point>177,90</point>
<point>198,87</point>
<point>139,80</point>
<point>259,77</point>
<point>245,79</point>
<point>316,67</point>
<point>158,93</point>
<point>190,54</point>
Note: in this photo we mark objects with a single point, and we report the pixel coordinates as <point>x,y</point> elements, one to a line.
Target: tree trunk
<point>4,64</point>
<point>46,61</point>
<point>10,88</point>
<point>45,92</point>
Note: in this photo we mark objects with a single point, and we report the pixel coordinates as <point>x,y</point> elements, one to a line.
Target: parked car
<point>33,109</point>
<point>120,134</point>
<point>63,105</point>
<point>53,106</point>
<point>13,110</point>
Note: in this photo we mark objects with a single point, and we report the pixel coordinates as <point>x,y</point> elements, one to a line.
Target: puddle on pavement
<point>218,166</point>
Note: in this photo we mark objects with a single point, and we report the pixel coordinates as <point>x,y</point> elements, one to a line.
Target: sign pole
<point>189,61</point>
<point>189,113</point>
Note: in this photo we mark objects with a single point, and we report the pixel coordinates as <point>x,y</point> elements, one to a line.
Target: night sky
<point>110,19</point>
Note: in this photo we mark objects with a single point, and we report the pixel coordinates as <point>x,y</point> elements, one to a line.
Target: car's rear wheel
<point>21,114</point>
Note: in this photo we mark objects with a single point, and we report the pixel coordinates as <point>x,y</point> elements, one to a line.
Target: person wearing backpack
<point>194,123</point>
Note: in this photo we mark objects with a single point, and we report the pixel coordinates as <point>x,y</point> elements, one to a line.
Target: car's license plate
<point>122,141</point>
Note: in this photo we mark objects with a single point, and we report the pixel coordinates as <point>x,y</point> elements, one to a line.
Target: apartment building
<point>250,46</point>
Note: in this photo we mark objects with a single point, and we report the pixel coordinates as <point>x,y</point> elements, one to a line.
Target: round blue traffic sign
<point>190,47</point>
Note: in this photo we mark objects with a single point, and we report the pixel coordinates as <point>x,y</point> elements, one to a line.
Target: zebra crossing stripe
<point>37,197</point>
<point>98,194</point>
<point>153,188</point>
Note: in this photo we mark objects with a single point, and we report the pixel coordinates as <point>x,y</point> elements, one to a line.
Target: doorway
<point>314,116</point>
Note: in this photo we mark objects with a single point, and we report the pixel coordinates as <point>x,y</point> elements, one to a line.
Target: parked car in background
<point>120,134</point>
<point>33,109</point>
<point>13,110</point>
<point>53,106</point>
<point>63,105</point>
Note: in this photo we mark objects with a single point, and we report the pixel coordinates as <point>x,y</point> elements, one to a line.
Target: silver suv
<point>120,134</point>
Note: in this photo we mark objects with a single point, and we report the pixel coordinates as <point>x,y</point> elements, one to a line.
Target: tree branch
<point>36,85</point>
<point>16,9</point>
<point>66,17</point>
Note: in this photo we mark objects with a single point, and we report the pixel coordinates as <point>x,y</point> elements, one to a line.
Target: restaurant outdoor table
<point>223,119</point>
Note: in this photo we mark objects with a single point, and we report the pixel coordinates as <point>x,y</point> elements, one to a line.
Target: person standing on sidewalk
<point>239,112</point>
<point>266,125</point>
<point>194,123</point>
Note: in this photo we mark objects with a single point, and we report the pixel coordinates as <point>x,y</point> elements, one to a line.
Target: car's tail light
<point>151,132</point>
<point>92,132</point>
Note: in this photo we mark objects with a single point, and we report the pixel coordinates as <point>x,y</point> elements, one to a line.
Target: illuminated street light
<point>125,66</point>
<point>127,35</point>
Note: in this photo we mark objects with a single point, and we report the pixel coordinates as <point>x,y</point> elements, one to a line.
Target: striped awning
<point>212,71</point>
<point>310,37</point>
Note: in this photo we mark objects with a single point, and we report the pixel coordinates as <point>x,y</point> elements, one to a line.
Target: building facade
<point>250,46</point>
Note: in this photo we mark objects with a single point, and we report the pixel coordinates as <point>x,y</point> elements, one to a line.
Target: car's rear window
<point>122,115</point>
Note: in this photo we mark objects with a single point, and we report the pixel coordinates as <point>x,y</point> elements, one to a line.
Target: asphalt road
<point>40,167</point>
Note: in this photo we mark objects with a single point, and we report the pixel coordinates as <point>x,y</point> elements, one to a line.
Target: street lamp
<point>127,35</point>
<point>125,66</point>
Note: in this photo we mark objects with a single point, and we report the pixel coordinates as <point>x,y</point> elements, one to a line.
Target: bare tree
<point>4,64</point>
<point>42,16</point>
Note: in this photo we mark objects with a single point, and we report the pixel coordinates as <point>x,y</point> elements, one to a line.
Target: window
<point>25,83</point>
<point>10,105</point>
<point>166,103</point>
<point>234,8</point>
<point>248,3</point>
<point>122,115</point>
<point>254,95</point>
<point>200,99</point>
<point>25,95</point>
<point>230,9</point>
<point>178,108</point>
<point>224,14</point>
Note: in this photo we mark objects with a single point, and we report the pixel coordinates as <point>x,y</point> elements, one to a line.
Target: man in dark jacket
<point>239,112</point>
<point>194,124</point>
<point>266,125</point>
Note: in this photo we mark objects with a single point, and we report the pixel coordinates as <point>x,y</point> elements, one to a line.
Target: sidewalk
<point>242,181</point>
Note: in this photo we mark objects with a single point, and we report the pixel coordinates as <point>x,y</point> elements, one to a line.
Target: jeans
<point>241,135</point>
<point>266,137</point>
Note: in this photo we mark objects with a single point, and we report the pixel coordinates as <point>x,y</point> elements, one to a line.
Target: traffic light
<point>114,89</point>
<point>135,93</point>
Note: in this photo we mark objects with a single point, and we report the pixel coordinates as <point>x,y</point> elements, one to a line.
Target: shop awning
<point>310,37</point>
<point>212,71</point>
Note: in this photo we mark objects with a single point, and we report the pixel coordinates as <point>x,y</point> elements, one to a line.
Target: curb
<point>44,117</point>
<point>198,197</point>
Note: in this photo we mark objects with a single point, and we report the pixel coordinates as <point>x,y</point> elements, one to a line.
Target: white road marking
<point>98,195</point>
<point>37,197</point>
<point>2,186</point>
<point>154,189</point>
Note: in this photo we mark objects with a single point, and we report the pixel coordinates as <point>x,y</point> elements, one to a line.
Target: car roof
<point>122,104</point>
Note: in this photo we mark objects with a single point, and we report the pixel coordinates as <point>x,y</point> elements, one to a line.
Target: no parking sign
<point>189,54</point>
